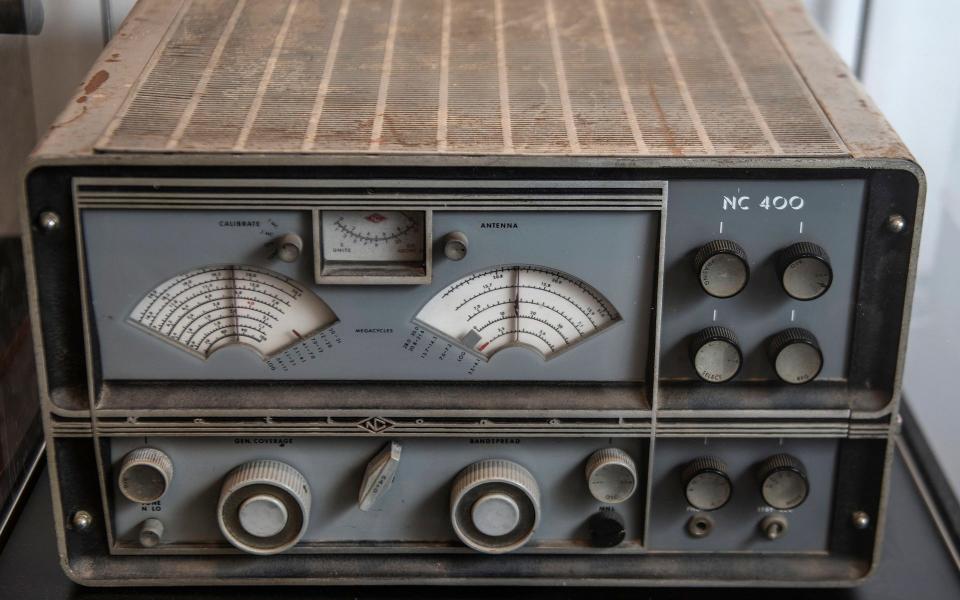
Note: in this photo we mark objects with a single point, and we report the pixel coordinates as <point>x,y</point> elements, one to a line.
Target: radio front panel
<point>517,307</point>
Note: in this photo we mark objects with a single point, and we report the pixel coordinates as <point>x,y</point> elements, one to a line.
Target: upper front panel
<point>658,78</point>
<point>459,291</point>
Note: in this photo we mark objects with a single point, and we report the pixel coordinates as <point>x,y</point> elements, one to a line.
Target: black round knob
<point>706,484</point>
<point>722,268</point>
<point>607,528</point>
<point>783,482</point>
<point>804,270</point>
<point>796,355</point>
<point>715,354</point>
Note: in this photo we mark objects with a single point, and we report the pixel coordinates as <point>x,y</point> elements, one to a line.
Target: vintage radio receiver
<point>492,291</point>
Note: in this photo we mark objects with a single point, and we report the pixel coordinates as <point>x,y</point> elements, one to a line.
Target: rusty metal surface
<point>515,77</point>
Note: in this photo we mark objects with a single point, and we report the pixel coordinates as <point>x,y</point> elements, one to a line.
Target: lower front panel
<point>824,534</point>
<point>271,495</point>
<point>409,508</point>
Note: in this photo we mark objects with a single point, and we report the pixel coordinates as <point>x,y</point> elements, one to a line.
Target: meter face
<point>378,236</point>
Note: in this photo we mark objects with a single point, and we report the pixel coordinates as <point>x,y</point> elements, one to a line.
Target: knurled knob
<point>795,355</point>
<point>611,475</point>
<point>715,354</point>
<point>495,506</point>
<point>804,270</point>
<point>145,475</point>
<point>722,268</point>
<point>706,485</point>
<point>264,507</point>
<point>783,481</point>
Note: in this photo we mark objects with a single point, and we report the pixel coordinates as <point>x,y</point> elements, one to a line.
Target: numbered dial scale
<point>365,246</point>
<point>206,309</point>
<point>528,306</point>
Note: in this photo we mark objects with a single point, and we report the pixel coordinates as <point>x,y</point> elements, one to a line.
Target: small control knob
<point>495,506</point>
<point>151,533</point>
<point>804,271</point>
<point>289,247</point>
<point>145,475</point>
<point>611,475</point>
<point>796,356</point>
<point>715,354</point>
<point>722,268</point>
<point>783,482</point>
<point>379,475</point>
<point>607,528</point>
<point>264,507</point>
<point>706,484</point>
<point>455,245</point>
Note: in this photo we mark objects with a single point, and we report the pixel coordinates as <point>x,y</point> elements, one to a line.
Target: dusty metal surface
<point>557,77</point>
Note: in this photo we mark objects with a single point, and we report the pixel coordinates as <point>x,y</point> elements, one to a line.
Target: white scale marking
<point>539,308</point>
<point>793,314</point>
<point>212,307</point>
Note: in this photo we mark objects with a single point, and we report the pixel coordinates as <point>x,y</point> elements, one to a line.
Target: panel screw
<point>48,221</point>
<point>861,520</point>
<point>896,223</point>
<point>82,520</point>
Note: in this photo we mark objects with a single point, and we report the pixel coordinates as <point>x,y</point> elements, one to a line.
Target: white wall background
<point>911,67</point>
<point>910,64</point>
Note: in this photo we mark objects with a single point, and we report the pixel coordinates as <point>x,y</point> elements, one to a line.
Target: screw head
<point>860,520</point>
<point>48,221</point>
<point>82,520</point>
<point>896,223</point>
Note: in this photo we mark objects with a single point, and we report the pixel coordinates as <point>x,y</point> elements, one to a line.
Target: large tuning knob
<point>264,507</point>
<point>495,506</point>
<point>804,270</point>
<point>722,268</point>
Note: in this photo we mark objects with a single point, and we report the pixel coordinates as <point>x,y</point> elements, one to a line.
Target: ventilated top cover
<point>522,77</point>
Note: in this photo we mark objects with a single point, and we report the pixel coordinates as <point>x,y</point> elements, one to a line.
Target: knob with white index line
<point>264,507</point>
<point>795,355</point>
<point>804,270</point>
<point>611,475</point>
<point>145,475</point>
<point>722,268</point>
<point>715,354</point>
<point>706,485</point>
<point>783,482</point>
<point>495,506</point>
